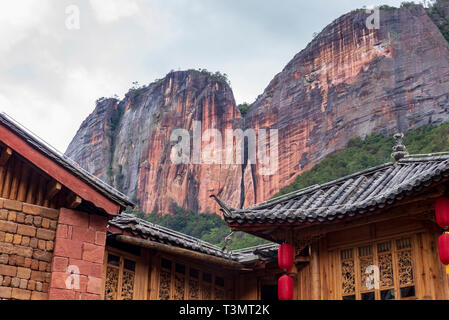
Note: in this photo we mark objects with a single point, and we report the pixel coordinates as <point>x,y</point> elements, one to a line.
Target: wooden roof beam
<point>74,201</point>
<point>145,243</point>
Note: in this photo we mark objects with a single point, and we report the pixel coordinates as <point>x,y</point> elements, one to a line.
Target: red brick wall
<point>80,243</point>
<point>27,234</point>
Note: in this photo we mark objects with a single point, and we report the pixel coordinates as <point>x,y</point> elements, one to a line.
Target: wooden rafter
<point>52,190</point>
<point>31,194</point>
<point>21,195</point>
<point>4,157</point>
<point>15,179</point>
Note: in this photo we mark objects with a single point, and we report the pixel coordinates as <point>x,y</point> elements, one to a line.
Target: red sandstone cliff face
<point>135,156</point>
<point>349,81</point>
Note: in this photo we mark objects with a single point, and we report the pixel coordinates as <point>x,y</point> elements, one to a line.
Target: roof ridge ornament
<point>228,242</point>
<point>399,150</point>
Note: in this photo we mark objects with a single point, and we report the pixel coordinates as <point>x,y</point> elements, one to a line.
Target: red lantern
<point>285,288</point>
<point>285,256</point>
<point>443,248</point>
<point>442,212</point>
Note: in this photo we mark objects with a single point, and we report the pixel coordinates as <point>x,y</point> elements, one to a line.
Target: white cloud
<point>107,11</point>
<point>18,18</point>
<point>24,13</point>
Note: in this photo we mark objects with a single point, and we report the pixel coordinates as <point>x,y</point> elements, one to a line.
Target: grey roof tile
<point>361,192</point>
<point>156,233</point>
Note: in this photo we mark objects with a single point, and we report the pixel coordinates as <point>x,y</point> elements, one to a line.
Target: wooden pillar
<point>294,271</point>
<point>153,285</point>
<point>296,282</point>
<point>315,272</point>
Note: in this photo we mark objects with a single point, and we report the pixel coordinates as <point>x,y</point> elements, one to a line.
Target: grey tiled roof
<point>156,233</point>
<point>364,191</point>
<point>65,162</point>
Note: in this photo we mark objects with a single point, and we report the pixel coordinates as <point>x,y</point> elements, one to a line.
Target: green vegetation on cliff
<point>438,12</point>
<point>374,150</point>
<point>387,7</point>
<point>408,4</point>
<point>243,108</point>
<point>214,76</point>
<point>114,174</point>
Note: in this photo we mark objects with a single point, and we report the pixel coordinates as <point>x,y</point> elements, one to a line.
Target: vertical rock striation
<point>137,151</point>
<point>91,146</point>
<point>351,81</point>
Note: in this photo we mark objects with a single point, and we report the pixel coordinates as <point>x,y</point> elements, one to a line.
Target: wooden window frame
<point>188,266</point>
<point>122,255</point>
<point>375,256</point>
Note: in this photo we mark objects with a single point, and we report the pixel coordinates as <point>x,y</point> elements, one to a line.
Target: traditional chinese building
<point>62,237</point>
<point>53,219</point>
<point>147,261</point>
<point>368,236</point>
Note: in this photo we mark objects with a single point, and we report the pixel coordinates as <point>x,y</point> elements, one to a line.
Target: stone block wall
<point>80,246</point>
<point>27,234</point>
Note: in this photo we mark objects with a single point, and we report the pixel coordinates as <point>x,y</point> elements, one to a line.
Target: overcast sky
<point>51,75</point>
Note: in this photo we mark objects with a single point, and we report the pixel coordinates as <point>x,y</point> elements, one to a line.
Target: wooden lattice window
<point>179,281</point>
<point>194,284</point>
<point>219,288</point>
<point>377,271</point>
<point>119,278</point>
<point>348,274</point>
<point>165,279</point>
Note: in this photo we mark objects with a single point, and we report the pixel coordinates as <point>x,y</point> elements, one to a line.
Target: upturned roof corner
<point>227,211</point>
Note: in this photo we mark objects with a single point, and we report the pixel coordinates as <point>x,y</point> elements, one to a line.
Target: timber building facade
<point>368,236</point>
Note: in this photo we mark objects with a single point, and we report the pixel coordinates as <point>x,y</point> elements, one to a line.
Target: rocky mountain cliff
<point>127,143</point>
<point>349,81</point>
